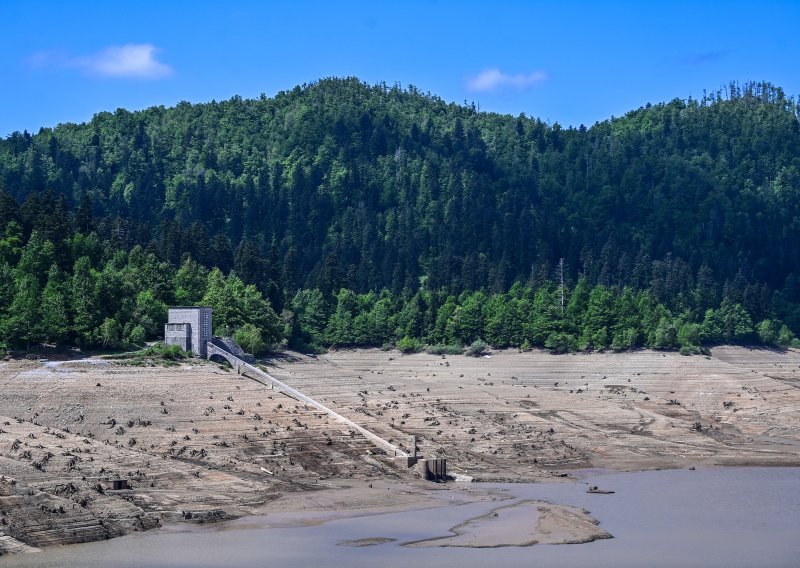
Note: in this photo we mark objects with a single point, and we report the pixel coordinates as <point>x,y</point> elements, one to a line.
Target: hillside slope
<point>338,184</point>
<point>376,187</point>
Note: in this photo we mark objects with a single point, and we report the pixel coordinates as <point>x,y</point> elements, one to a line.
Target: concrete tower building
<point>190,328</point>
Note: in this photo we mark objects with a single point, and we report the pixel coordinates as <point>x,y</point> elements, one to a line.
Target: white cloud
<point>496,80</point>
<point>135,61</point>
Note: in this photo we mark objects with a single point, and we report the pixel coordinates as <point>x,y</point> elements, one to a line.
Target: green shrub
<point>137,335</point>
<point>768,332</point>
<point>109,333</point>
<point>559,342</point>
<point>665,336</point>
<point>689,339</point>
<point>625,339</point>
<point>167,352</point>
<point>690,350</point>
<point>173,352</point>
<point>599,340</point>
<point>477,348</point>
<point>409,345</point>
<point>250,339</point>
<point>441,349</point>
<point>785,337</point>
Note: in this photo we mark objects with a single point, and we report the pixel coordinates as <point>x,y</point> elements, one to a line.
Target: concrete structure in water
<point>430,469</point>
<point>189,327</point>
<point>433,469</point>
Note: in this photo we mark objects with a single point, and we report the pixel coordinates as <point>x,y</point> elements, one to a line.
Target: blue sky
<point>566,62</point>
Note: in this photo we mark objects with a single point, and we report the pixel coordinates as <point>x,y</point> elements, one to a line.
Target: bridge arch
<point>218,354</point>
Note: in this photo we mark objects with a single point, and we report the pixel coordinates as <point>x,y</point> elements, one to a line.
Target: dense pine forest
<point>344,214</point>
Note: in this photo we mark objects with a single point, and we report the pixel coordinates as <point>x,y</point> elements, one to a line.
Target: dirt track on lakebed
<point>199,443</point>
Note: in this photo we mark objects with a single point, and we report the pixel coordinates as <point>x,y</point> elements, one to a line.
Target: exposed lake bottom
<point>733,517</point>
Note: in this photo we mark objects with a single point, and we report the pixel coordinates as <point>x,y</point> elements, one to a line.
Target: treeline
<point>113,298</point>
<point>109,298</point>
<point>551,317</point>
<point>342,185</point>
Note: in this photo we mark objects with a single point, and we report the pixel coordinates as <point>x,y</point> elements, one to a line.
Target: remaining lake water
<point>732,517</point>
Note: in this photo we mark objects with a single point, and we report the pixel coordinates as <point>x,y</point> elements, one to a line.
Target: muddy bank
<point>197,443</point>
<point>522,524</point>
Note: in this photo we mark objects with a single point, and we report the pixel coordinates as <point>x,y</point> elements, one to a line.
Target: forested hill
<point>339,184</point>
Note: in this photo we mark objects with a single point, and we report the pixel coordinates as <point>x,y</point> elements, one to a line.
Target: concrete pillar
<point>422,468</point>
<point>433,469</point>
<point>413,446</point>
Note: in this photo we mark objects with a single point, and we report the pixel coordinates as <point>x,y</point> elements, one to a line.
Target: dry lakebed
<point>202,448</point>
